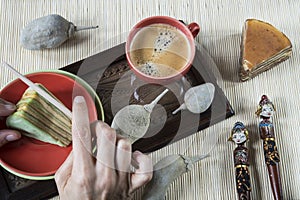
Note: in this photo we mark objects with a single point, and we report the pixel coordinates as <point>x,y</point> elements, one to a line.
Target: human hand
<point>107,176</point>
<point>7,135</point>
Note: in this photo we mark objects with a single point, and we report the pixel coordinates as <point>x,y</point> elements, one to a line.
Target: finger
<point>123,159</point>
<point>7,135</point>
<point>81,137</point>
<point>63,174</point>
<point>93,126</point>
<point>144,173</point>
<point>106,144</point>
<point>6,108</point>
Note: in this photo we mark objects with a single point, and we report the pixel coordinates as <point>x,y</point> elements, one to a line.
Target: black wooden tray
<point>108,73</point>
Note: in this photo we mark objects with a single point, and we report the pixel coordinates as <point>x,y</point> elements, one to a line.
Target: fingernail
<point>79,99</point>
<point>11,138</point>
<point>137,152</point>
<point>136,157</point>
<point>10,106</point>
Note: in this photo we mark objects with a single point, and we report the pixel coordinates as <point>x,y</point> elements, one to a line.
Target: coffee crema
<point>159,50</point>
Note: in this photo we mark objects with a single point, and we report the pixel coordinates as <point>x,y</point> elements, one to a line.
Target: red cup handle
<point>194,28</point>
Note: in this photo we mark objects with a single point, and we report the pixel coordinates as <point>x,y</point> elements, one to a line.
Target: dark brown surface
<point>102,71</point>
<point>16,188</point>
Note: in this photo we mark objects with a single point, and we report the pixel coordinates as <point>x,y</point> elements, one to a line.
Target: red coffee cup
<point>169,44</point>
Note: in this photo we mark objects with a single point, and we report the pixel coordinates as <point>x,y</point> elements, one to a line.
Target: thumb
<point>7,135</point>
<point>145,171</point>
<point>6,108</point>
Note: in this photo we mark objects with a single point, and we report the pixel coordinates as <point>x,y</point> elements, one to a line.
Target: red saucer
<point>28,157</point>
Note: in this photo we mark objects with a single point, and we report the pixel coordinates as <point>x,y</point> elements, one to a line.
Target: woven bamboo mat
<point>221,23</point>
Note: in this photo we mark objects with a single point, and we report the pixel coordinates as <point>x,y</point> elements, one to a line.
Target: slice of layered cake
<point>39,119</point>
<point>262,47</point>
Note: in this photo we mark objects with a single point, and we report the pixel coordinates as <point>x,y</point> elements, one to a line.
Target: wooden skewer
<point>40,91</point>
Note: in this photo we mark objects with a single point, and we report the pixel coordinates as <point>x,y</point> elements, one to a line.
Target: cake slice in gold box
<point>39,119</point>
<point>262,47</point>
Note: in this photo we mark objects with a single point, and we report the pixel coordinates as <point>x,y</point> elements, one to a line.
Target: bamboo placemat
<point>221,23</point>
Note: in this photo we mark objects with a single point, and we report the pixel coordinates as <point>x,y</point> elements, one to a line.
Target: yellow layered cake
<point>262,47</point>
<point>39,119</point>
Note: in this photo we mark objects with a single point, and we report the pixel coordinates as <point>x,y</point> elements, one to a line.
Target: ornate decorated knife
<point>239,135</point>
<point>265,112</point>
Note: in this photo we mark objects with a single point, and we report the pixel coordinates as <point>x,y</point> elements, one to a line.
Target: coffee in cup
<point>160,49</point>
